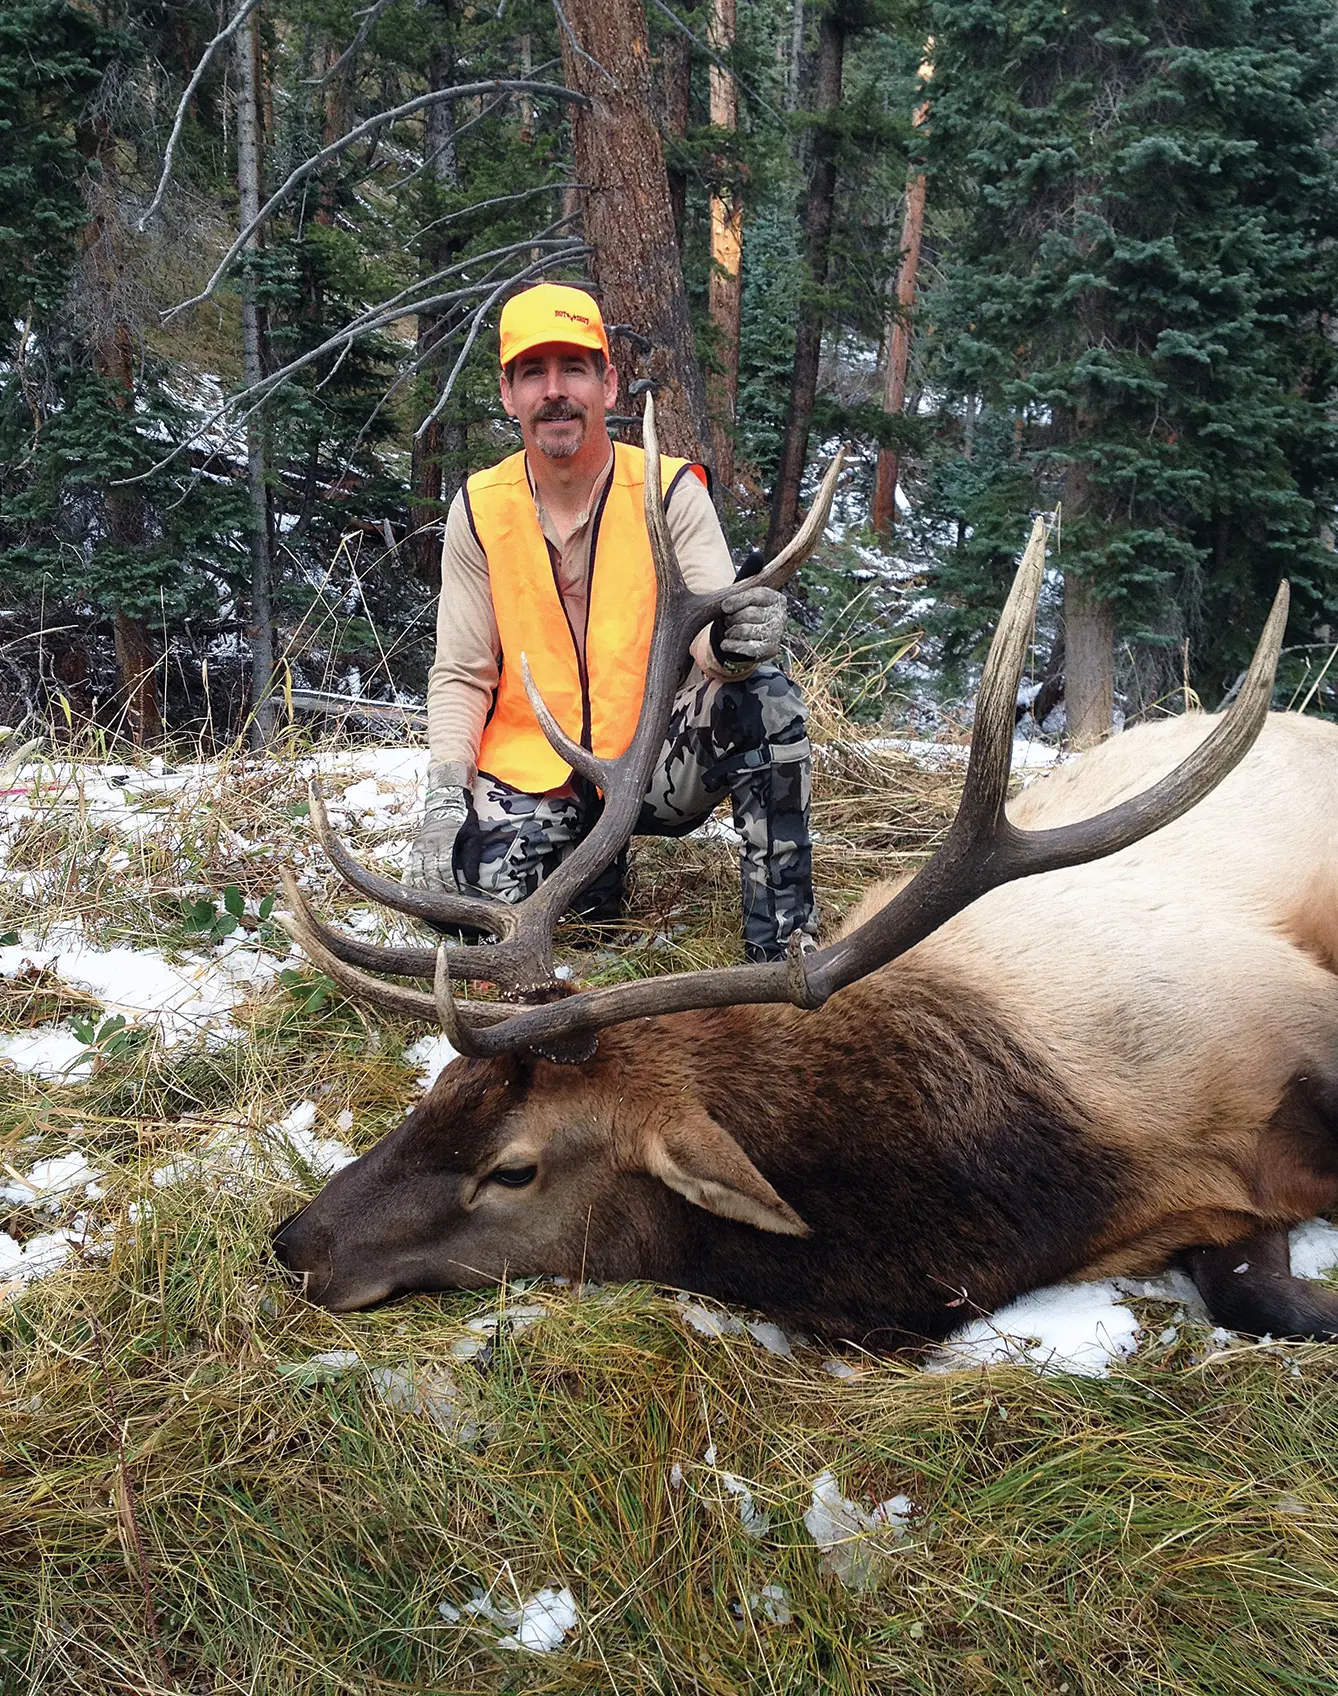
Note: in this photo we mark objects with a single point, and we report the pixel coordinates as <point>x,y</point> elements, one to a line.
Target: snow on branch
<point>309,167</point>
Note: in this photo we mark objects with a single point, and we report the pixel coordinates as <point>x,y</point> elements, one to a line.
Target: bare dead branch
<point>224,35</point>
<point>317,161</point>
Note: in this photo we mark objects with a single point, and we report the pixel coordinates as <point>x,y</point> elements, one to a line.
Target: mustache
<point>559,412</point>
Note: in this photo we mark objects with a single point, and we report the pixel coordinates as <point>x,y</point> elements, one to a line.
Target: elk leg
<point>1248,1286</point>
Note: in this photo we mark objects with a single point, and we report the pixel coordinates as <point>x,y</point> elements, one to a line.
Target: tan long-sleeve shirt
<point>466,669</point>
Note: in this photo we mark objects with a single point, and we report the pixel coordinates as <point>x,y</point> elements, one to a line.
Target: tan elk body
<point>1096,1032</point>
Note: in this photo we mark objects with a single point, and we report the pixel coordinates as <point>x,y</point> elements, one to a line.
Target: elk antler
<point>981,851</point>
<point>520,959</point>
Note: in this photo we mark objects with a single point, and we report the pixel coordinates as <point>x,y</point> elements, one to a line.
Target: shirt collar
<point>597,489</point>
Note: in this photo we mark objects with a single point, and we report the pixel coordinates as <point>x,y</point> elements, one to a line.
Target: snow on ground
<point>541,1623</point>
<point>181,1002</point>
<point>237,1159</point>
<point>846,1533</point>
<point>1028,754</point>
<point>58,1056</point>
<point>1078,1328</point>
<point>432,1055</point>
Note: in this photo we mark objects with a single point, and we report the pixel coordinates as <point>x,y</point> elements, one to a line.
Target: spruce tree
<point>1138,287</point>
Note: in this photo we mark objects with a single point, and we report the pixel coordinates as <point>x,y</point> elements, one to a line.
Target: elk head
<point>552,1148</point>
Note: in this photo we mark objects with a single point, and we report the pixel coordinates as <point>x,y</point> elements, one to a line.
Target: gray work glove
<point>750,626</point>
<point>446,810</point>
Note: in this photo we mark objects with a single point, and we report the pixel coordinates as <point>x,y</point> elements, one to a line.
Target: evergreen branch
<point>224,35</point>
<point>369,21</point>
<point>310,166</point>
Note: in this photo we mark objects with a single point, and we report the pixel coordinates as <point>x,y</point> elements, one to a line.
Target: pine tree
<point>1139,287</point>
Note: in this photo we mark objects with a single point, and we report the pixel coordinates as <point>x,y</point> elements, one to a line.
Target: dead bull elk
<point>878,1138</point>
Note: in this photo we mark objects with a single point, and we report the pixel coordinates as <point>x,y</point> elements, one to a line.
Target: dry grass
<point>177,1513</point>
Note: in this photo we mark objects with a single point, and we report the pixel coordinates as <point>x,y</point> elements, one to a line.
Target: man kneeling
<point>547,554</point>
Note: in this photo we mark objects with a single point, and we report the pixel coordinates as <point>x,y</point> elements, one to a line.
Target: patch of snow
<point>55,1055</point>
<point>431,1393</point>
<point>771,1337</point>
<point>1028,755</point>
<point>1078,1328</point>
<point>841,1529</point>
<point>432,1055</point>
<point>540,1624</point>
<point>1314,1248</point>
<point>296,1139</point>
<point>51,1183</point>
<point>755,1521</point>
<point>180,1002</point>
<point>319,1368</point>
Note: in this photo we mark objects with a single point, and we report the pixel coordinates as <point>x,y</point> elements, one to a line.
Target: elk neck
<point>940,1166</point>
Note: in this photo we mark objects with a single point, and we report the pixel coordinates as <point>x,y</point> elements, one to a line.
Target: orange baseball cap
<point>551,312</point>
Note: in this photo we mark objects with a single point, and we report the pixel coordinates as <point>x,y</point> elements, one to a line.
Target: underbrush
<point>209,1485</point>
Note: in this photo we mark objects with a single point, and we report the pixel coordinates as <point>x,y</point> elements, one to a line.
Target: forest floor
<point>209,1485</point>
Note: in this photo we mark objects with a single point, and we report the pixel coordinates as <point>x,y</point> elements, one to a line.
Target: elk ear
<point>700,1160</point>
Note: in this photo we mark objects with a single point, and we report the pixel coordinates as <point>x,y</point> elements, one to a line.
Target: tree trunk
<point>629,220</point>
<point>898,332</point>
<point>794,80</point>
<point>817,244</point>
<point>1089,625</point>
<point>113,356</point>
<point>725,290</point>
<point>439,454</point>
<point>245,61</point>
<point>1089,663</point>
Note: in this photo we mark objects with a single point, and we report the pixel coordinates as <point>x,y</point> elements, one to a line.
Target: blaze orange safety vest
<point>597,703</point>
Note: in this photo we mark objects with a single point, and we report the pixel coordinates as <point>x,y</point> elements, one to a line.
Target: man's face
<point>559,398</point>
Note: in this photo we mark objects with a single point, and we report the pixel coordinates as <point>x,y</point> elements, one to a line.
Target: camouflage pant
<point>745,739</point>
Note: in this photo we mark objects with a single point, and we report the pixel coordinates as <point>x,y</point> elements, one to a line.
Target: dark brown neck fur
<point>973,1176</point>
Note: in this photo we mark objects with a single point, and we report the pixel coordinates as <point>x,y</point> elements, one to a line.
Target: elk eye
<point>514,1177</point>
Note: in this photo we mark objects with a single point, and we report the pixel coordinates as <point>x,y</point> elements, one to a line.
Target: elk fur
<point>1088,1072</point>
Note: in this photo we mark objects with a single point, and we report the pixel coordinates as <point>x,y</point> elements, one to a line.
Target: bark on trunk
<point>439,454</point>
<point>261,632</point>
<point>725,290</point>
<point>794,80</point>
<point>628,217</point>
<point>1089,663</point>
<point>1089,625</point>
<point>817,245</point>
<point>898,333</point>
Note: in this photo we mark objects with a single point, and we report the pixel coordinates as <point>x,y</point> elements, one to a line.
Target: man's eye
<point>514,1177</point>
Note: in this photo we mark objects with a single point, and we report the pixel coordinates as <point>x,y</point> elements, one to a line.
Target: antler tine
<point>436,906</point>
<point>391,996</point>
<point>580,759</point>
<point>988,770</point>
<point>458,1034</point>
<point>805,539</point>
